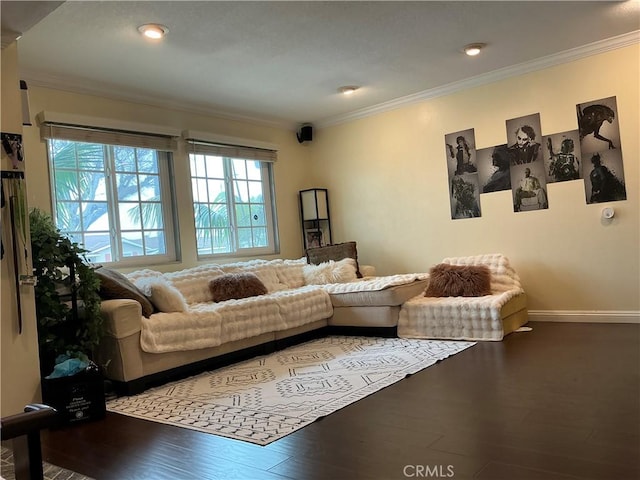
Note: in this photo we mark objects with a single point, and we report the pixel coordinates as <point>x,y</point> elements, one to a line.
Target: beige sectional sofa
<point>139,351</point>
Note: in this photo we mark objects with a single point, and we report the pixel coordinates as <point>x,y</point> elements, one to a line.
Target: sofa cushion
<point>462,318</point>
<point>330,272</point>
<point>164,296</point>
<point>114,285</point>
<point>458,281</point>
<point>335,252</point>
<point>193,282</point>
<point>236,285</point>
<point>266,273</point>
<point>290,272</point>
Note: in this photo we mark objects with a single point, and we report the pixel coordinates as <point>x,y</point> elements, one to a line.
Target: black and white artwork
<point>314,238</point>
<point>465,196</point>
<point>598,125</point>
<point>604,177</point>
<point>562,156</point>
<point>461,152</point>
<point>12,147</point>
<point>523,139</point>
<point>529,161</point>
<point>528,187</point>
<point>493,168</point>
<point>599,134</point>
<point>462,169</point>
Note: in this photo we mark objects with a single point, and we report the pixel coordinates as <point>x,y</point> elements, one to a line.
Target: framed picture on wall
<point>12,147</point>
<point>524,136</point>
<point>314,238</point>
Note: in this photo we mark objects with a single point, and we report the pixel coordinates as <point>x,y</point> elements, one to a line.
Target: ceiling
<point>282,62</point>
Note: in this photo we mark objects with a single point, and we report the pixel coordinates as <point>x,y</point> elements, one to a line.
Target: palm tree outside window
<point>233,207</point>
<point>114,200</point>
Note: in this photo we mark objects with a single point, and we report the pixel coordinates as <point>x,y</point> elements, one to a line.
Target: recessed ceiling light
<point>154,31</point>
<point>474,49</point>
<point>348,89</point>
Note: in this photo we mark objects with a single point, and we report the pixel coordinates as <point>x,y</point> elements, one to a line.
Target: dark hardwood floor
<point>560,402</point>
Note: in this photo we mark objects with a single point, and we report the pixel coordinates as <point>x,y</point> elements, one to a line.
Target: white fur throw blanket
<point>374,283</point>
<point>463,318</point>
<point>210,324</point>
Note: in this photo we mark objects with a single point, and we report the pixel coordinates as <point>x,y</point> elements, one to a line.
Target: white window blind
<point>77,133</point>
<point>200,147</point>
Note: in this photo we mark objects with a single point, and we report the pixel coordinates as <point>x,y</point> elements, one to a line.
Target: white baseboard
<point>586,316</point>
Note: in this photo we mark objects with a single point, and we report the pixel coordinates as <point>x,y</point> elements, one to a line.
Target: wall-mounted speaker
<point>305,133</point>
<point>26,113</point>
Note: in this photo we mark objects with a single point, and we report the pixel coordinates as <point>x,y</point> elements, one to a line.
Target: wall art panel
<point>600,142</point>
<point>562,156</point>
<point>464,186</point>
<point>493,168</point>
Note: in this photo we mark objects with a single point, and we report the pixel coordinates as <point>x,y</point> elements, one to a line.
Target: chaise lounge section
<point>485,317</point>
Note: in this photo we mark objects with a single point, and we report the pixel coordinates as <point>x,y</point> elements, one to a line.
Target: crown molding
<point>566,56</point>
<point>8,37</point>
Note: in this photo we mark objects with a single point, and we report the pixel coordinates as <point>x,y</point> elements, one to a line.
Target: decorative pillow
<point>335,252</point>
<point>330,272</point>
<point>164,296</point>
<point>114,284</point>
<point>458,281</point>
<point>236,285</point>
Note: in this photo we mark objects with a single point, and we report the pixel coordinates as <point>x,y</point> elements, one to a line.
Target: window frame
<point>116,236</point>
<point>268,194</point>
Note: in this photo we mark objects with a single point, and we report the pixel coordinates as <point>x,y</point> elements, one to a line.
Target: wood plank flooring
<point>561,402</point>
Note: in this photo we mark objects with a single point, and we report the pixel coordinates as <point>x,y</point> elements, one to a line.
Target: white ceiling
<point>282,62</point>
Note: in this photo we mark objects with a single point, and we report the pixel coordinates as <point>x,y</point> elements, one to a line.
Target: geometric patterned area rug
<point>268,397</point>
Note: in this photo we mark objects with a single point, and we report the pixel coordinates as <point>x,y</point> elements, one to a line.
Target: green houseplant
<point>67,298</point>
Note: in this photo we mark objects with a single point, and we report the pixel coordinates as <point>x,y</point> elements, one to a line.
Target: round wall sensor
<point>607,212</point>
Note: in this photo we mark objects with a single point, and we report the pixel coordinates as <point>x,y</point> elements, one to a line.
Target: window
<point>232,200</point>
<point>114,200</point>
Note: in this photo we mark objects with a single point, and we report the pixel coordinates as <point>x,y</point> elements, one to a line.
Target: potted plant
<point>69,321</point>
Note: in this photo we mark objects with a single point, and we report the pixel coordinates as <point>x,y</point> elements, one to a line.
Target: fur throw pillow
<point>164,296</point>
<point>330,272</point>
<point>335,252</point>
<point>236,285</point>
<point>458,281</point>
<point>114,284</point>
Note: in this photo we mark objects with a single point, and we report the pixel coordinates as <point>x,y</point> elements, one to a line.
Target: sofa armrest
<point>119,351</point>
<point>122,317</point>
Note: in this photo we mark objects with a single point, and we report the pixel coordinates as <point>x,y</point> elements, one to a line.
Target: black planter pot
<point>78,398</point>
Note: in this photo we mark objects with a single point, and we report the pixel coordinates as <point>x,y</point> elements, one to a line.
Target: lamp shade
<point>314,204</point>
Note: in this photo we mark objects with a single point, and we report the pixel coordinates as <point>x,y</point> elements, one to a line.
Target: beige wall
<point>19,370</point>
<point>388,186</point>
<point>290,171</point>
